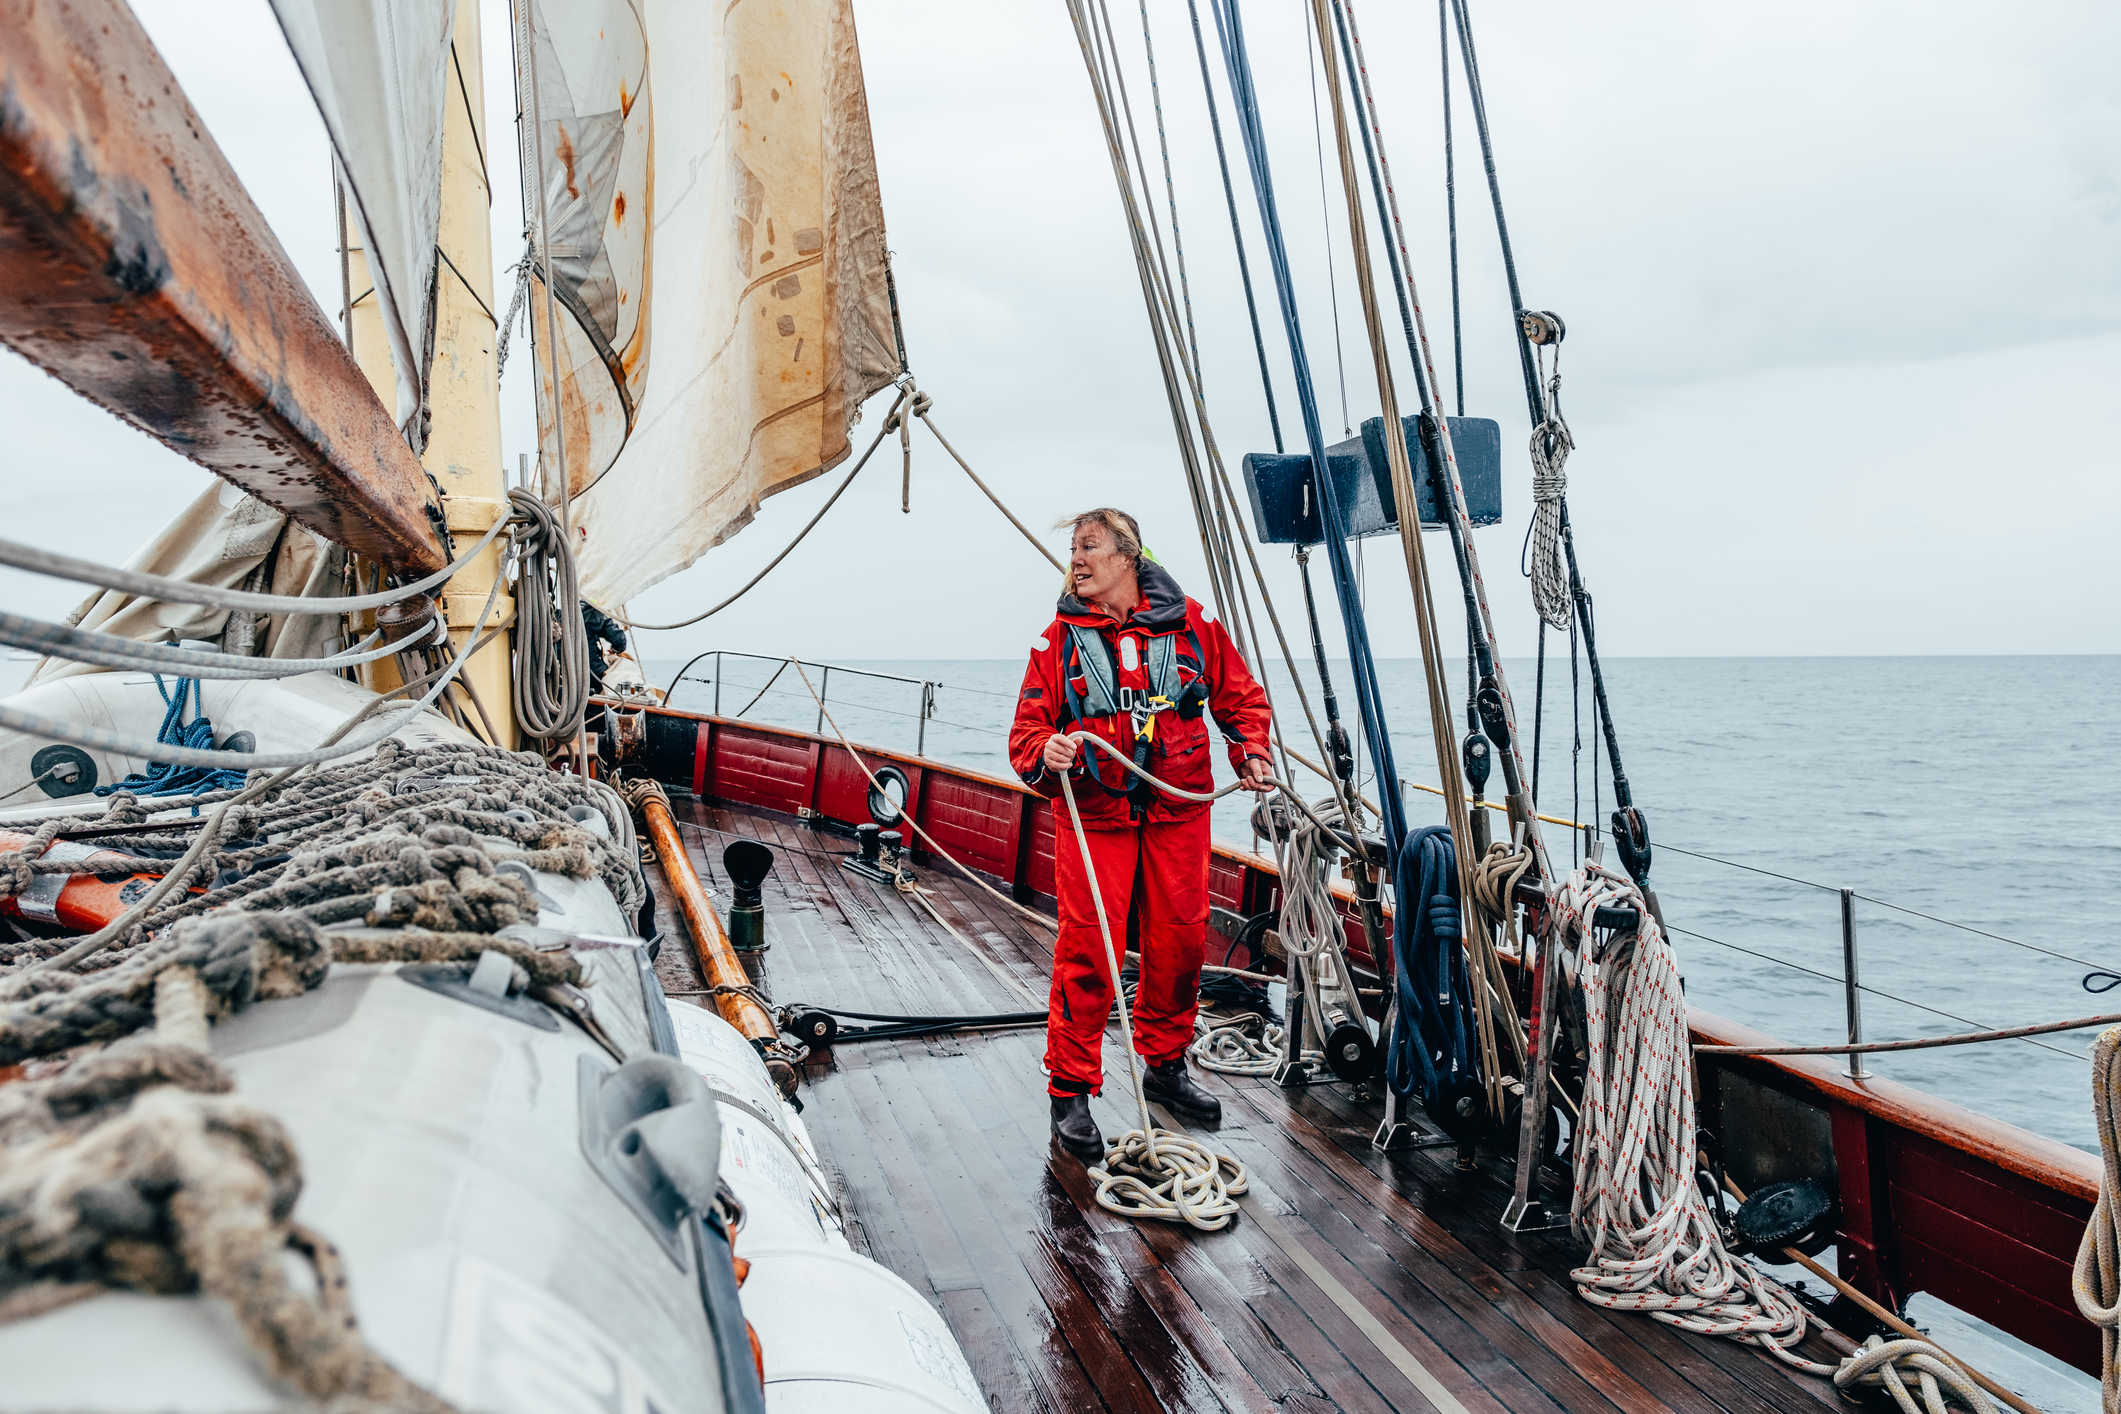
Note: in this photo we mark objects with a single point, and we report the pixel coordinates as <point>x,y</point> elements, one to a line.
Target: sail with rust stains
<point>719,276</point>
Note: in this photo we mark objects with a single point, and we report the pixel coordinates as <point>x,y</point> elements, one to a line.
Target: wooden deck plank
<point>1346,1265</point>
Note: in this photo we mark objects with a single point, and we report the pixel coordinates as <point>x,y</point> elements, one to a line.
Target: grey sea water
<point>1984,791</point>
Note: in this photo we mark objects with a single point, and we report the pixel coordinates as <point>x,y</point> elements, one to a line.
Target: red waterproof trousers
<point>1159,869</point>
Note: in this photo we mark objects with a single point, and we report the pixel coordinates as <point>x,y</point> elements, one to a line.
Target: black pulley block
<point>1798,1213</point>
<point>1478,758</point>
<point>1493,720</point>
<point>1342,751</point>
<point>1351,1054</point>
<point>1631,838</point>
<point>814,1029</point>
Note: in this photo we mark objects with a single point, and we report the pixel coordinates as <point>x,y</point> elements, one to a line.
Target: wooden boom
<point>135,268</point>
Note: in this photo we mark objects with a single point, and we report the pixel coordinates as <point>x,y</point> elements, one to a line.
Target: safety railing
<point>1850,984</point>
<point>745,696</point>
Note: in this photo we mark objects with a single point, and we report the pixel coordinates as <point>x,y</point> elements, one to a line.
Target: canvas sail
<point>718,351</point>
<point>378,70</point>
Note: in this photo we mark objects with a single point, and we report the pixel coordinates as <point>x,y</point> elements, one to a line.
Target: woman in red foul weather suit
<point>1131,659</point>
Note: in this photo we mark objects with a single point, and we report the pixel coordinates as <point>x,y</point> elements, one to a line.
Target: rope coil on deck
<point>1151,1172</point>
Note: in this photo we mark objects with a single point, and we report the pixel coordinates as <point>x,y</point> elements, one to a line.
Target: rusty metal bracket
<point>136,269</point>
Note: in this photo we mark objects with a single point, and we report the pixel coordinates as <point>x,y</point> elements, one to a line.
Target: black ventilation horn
<point>747,862</point>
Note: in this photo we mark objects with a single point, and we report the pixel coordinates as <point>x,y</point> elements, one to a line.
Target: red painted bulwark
<point>973,820</point>
<point>762,768</point>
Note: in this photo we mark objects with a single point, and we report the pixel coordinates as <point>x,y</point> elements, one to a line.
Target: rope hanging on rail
<point>2096,1280</point>
<point>1654,1243</point>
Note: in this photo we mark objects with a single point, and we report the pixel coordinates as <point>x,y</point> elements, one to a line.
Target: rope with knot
<point>132,1168</point>
<point>2096,1280</point>
<point>1551,444</point>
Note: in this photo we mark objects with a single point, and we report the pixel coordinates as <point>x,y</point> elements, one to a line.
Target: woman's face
<point>1096,569</point>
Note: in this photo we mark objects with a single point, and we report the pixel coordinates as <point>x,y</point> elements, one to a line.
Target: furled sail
<point>742,132</point>
<point>378,70</point>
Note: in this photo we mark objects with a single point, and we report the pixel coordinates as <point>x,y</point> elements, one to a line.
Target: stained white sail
<point>378,70</point>
<point>762,273</point>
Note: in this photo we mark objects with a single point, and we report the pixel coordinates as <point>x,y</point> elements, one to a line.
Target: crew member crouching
<point>1132,660</point>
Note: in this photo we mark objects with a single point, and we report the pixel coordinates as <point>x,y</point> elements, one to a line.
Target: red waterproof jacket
<point>1058,686</point>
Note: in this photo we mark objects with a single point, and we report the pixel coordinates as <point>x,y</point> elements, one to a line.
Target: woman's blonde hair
<point>1126,536</point>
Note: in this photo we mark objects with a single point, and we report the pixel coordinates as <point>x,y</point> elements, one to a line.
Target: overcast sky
<point>1842,282</point>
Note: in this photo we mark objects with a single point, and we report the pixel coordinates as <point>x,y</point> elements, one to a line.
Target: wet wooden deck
<point>1353,1280</point>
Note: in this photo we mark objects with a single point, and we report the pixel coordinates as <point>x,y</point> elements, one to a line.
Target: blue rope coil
<point>1431,1047</point>
<point>164,778</point>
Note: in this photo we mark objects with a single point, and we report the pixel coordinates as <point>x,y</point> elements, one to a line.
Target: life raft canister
<point>80,901</point>
<point>1103,697</point>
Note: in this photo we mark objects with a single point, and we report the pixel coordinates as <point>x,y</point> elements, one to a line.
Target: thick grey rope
<point>106,650</point>
<point>178,591</point>
<point>35,724</point>
<point>1551,445</point>
<point>552,643</point>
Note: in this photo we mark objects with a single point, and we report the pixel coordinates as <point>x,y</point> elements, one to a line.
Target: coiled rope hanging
<point>2096,1282</point>
<point>552,643</point>
<point>1551,444</point>
<point>1654,1243</point>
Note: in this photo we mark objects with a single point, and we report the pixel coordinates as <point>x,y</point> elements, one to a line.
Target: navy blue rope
<point>166,778</point>
<point>1431,1045</point>
<point>1369,697</point>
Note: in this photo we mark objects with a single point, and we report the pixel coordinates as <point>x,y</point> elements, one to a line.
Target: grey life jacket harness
<point>1103,696</point>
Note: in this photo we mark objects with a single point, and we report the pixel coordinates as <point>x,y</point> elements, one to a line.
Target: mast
<point>463,451</point>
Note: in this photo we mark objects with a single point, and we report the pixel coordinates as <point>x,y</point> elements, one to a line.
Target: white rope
<point>1654,1244</point>
<point>1892,1365</point>
<point>2096,1281</point>
<point>1150,1172</point>
<point>1244,1045</point>
<point>1551,445</point>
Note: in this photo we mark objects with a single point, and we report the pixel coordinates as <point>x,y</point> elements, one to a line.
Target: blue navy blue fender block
<point>1285,505</point>
<point>1432,1045</point>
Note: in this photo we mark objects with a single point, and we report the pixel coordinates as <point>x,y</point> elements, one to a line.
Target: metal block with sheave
<point>1284,501</point>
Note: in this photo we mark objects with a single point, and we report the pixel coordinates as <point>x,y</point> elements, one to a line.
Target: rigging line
<point>51,564</point>
<point>112,651</point>
<point>1962,927</point>
<point>1325,220</point>
<point>988,492</point>
<point>478,144</point>
<point>484,308</point>
<point>1865,987</point>
<point>1100,59</point>
<point>1163,147</point>
<point>1229,27</point>
<point>810,525</point>
<point>1450,206</point>
<point>1509,750</point>
<point>1211,510</point>
<point>1237,234</point>
<point>33,724</point>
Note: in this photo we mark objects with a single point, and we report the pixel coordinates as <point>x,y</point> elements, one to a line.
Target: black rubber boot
<point>1075,1130</point>
<point>1173,1086</point>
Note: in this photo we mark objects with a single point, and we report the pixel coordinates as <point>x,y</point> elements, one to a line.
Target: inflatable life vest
<point>1102,698</point>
